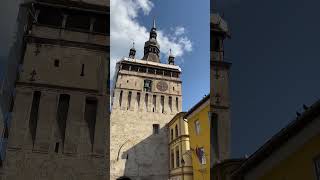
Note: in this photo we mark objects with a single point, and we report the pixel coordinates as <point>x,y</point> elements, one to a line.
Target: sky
<point>182,26</point>
<point>8,15</point>
<point>274,49</point>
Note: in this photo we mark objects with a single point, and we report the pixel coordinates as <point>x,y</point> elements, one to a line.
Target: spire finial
<point>154,23</point>
<point>132,44</point>
<point>170,53</point>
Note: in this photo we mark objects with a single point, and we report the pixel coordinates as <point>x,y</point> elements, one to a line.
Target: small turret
<point>132,52</point>
<point>171,58</point>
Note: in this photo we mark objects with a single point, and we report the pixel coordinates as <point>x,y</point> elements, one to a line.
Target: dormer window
<point>147,85</point>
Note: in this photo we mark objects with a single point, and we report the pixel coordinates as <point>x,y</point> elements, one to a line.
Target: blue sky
<point>181,25</point>
<point>275,54</point>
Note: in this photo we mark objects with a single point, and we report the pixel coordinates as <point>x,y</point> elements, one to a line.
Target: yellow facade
<point>199,133</point>
<point>180,163</point>
<point>299,165</point>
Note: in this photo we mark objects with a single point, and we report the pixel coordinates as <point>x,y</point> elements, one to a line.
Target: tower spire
<point>171,58</point>
<point>132,52</point>
<point>152,47</point>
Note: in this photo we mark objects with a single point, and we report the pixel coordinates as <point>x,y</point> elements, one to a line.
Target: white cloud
<point>179,31</point>
<point>125,29</point>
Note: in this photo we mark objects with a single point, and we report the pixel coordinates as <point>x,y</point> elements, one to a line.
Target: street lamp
<point>182,163</point>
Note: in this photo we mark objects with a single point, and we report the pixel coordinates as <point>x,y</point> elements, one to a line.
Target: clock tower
<point>146,96</point>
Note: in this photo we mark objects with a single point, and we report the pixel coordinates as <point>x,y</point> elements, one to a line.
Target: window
<point>217,44</point>
<point>50,16</point>
<point>151,71</point>
<point>100,24</point>
<point>138,99</point>
<point>129,99</point>
<point>172,159</point>
<point>175,74</point>
<point>171,134</point>
<point>146,101</point>
<point>56,148</point>
<point>177,103</point>
<point>201,155</point>
<point>135,68</point>
<point>147,85</point>
<point>56,62</point>
<point>177,157</point>
<point>197,127</point>
<point>82,70</point>
<point>120,98</point>
<point>167,73</point>
<point>142,69</point>
<point>33,121</point>
<point>125,67</point>
<point>154,103</point>
<point>317,167</point>
<point>214,135</point>
<point>90,116</point>
<point>176,129</point>
<point>155,128</point>
<point>159,72</point>
<point>170,103</point>
<point>162,104</point>
<point>62,114</point>
<point>78,20</point>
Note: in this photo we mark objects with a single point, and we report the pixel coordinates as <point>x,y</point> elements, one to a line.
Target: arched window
<point>177,103</point>
<point>176,130</point>
<point>129,99</point>
<point>120,98</point>
<point>146,100</point>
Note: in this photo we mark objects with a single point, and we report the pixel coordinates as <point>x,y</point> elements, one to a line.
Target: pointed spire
<point>152,47</point>
<point>154,23</point>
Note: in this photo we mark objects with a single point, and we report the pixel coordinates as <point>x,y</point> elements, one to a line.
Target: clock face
<point>162,86</point>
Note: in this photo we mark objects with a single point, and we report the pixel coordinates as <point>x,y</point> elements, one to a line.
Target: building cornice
<point>176,140</point>
<point>146,75</point>
<point>60,42</point>
<point>56,87</point>
<point>151,64</point>
<point>199,106</point>
<point>175,117</point>
<point>71,5</point>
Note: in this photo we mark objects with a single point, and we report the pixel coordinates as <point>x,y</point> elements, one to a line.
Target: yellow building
<point>292,154</point>
<point>199,133</point>
<point>179,149</point>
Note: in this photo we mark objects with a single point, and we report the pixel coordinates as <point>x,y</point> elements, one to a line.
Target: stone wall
<point>135,150</point>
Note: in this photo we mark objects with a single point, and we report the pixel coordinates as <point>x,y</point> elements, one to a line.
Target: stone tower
<point>59,128</point>
<point>146,96</point>
<point>219,90</point>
